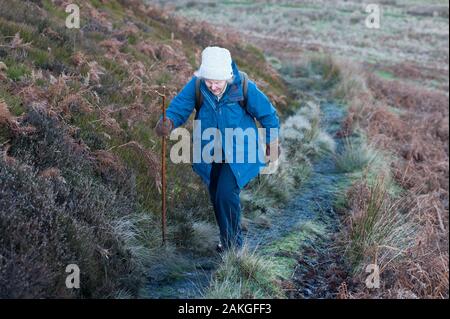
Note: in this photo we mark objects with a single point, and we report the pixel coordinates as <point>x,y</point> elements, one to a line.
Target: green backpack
<point>199,96</point>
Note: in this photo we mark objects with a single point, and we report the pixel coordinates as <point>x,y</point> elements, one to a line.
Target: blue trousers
<point>224,194</point>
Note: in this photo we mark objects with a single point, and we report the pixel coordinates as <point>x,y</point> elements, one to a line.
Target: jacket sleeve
<point>259,105</point>
<point>182,105</point>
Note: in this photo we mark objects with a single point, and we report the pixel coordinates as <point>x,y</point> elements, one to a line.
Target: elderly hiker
<point>225,98</point>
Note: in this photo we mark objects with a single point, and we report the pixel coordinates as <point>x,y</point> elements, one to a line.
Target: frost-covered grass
<point>302,141</point>
<point>244,274</point>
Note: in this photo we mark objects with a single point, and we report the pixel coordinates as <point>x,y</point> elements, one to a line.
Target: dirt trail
<point>313,202</point>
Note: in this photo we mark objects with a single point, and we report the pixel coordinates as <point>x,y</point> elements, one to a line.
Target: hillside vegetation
<point>363,176</point>
<point>79,164</point>
<point>393,83</point>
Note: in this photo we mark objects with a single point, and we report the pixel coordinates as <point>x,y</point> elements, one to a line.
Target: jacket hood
<point>236,91</point>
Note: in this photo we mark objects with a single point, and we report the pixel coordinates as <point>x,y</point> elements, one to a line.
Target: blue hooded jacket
<point>227,113</point>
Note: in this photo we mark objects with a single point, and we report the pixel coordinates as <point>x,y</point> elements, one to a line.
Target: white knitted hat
<point>216,64</point>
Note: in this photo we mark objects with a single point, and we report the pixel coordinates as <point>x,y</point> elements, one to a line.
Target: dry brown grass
<point>418,135</point>
<point>11,122</point>
<point>403,238</point>
<point>5,115</point>
<point>151,160</point>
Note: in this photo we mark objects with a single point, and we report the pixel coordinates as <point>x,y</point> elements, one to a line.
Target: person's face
<point>216,86</point>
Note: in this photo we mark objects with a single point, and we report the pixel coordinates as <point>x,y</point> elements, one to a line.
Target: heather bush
<point>55,211</point>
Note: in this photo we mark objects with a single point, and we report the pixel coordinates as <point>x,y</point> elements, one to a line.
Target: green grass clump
<point>381,229</point>
<point>17,71</point>
<point>13,101</point>
<point>244,275</point>
<point>285,252</point>
<point>355,156</point>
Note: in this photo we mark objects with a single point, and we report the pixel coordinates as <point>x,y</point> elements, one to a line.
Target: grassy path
<point>303,230</point>
<point>314,200</point>
<point>305,222</point>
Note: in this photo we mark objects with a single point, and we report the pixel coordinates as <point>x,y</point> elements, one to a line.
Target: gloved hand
<point>163,128</point>
<point>273,150</point>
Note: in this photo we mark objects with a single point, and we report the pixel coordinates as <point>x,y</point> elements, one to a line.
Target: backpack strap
<point>199,96</point>
<point>244,78</point>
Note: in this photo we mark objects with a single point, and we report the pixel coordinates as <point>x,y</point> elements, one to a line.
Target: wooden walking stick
<point>163,171</point>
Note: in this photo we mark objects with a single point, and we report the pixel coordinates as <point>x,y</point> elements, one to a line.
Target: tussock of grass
<point>382,228</point>
<point>355,156</point>
<point>167,264</point>
<point>251,274</point>
<point>303,137</point>
<point>317,72</point>
<point>187,231</point>
<point>352,82</point>
<point>244,274</point>
<point>17,72</point>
